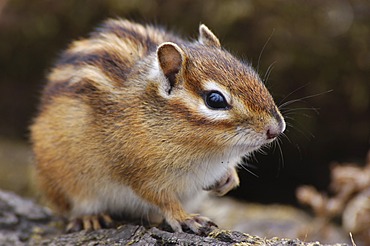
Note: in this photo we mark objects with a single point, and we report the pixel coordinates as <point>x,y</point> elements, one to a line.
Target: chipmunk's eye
<point>215,100</point>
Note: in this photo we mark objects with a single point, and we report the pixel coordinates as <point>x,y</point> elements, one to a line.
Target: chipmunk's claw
<point>199,225</point>
<point>89,223</point>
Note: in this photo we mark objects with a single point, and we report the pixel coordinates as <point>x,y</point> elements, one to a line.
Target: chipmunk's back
<point>108,55</point>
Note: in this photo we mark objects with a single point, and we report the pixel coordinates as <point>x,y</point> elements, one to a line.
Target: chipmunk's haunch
<point>136,121</point>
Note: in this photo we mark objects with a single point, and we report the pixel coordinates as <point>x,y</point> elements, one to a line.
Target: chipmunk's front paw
<point>194,224</point>
<point>199,225</point>
<point>89,223</point>
<point>228,182</point>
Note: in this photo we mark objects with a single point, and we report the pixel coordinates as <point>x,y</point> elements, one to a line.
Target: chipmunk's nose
<point>272,133</point>
<point>276,128</point>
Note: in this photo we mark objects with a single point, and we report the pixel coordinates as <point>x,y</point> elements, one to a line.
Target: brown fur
<point>105,118</point>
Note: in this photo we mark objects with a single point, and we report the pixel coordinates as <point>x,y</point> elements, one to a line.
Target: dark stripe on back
<point>123,32</point>
<point>109,64</point>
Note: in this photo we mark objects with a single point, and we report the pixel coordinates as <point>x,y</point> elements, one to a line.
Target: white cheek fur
<point>212,114</point>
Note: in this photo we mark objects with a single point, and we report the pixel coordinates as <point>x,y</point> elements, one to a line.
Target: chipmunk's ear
<point>171,58</point>
<point>207,37</point>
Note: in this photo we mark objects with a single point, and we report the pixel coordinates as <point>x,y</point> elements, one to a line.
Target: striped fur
<point>123,127</point>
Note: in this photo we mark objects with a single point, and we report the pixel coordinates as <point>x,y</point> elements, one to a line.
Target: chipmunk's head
<point>207,86</point>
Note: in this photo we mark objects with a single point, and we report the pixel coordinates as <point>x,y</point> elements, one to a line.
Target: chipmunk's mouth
<point>248,145</point>
<point>252,140</point>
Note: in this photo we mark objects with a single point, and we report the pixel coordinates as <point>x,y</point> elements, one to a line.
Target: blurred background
<point>315,54</point>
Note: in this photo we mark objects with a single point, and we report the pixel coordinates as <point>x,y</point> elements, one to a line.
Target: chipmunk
<point>135,120</point>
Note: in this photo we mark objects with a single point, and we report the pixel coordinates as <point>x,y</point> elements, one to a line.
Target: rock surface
<point>23,222</point>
